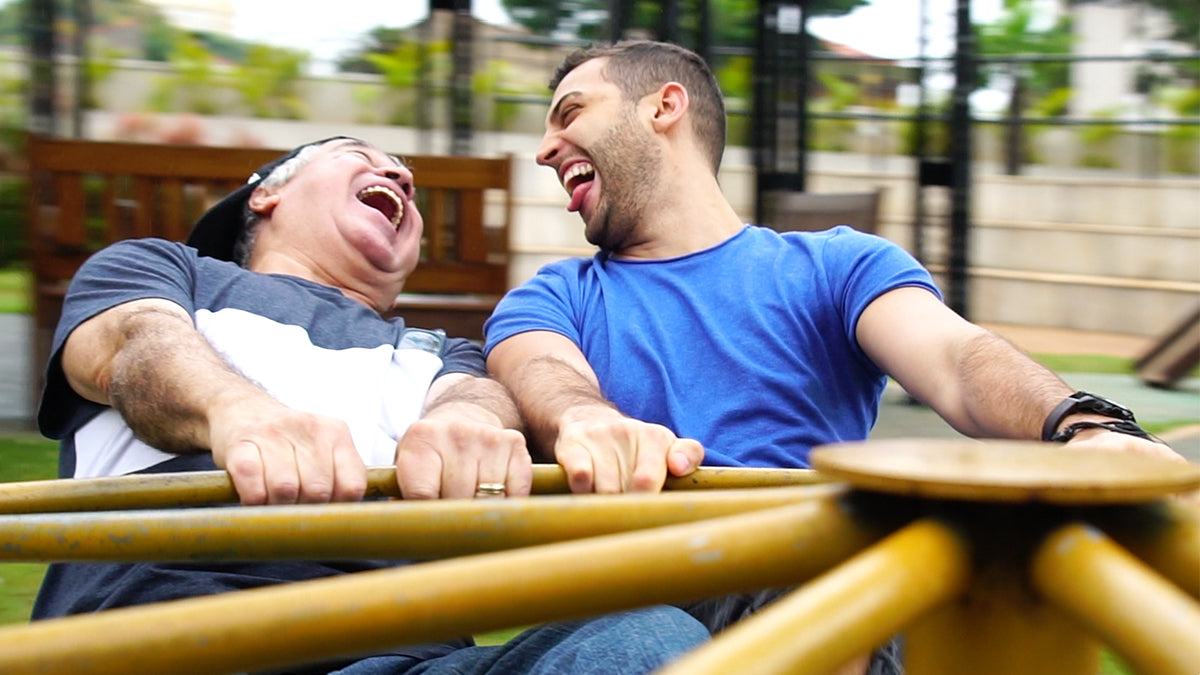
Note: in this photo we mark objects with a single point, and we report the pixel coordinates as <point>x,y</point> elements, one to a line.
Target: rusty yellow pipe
<point>844,613</point>
<point>1167,539</point>
<point>393,529</point>
<point>145,491</point>
<point>351,614</point>
<point>1149,622</point>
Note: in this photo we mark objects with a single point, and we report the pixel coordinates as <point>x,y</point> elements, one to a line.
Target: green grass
<point>23,457</point>
<point>14,291</point>
<point>1086,363</point>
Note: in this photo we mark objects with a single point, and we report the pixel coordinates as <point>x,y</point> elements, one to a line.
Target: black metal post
<point>780,103</point>
<point>460,101</point>
<point>919,149</point>
<point>43,82</point>
<point>960,159</point>
<point>668,21</point>
<point>618,19</point>
<point>704,40</point>
<point>82,10</point>
<point>1014,150</point>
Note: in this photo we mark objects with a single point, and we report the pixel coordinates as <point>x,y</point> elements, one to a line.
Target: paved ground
<point>899,417</point>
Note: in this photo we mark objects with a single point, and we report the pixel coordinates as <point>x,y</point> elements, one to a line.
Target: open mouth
<point>578,174</point>
<point>385,201</point>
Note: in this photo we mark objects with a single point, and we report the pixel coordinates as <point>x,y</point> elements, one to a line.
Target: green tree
<point>588,19</point>
<point>267,81</point>
<point>1012,35</point>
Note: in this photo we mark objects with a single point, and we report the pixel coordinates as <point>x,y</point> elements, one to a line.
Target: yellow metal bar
<point>1167,538</point>
<point>1149,622</point>
<point>997,627</point>
<point>844,613</point>
<point>352,614</point>
<point>146,491</point>
<point>394,529</point>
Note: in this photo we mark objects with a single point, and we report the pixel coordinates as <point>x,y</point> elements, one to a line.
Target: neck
<point>690,214</point>
<point>375,296</point>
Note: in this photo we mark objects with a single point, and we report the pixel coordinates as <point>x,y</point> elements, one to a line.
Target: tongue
<point>578,195</point>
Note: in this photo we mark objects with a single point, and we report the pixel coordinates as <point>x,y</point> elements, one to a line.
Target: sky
<point>886,28</point>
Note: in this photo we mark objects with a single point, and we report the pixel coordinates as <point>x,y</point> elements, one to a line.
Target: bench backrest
<point>814,211</point>
<point>84,195</point>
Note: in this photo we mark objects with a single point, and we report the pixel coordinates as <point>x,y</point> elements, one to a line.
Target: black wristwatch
<point>1083,402</point>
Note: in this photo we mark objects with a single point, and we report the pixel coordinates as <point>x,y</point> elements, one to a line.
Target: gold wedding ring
<point>490,490</point>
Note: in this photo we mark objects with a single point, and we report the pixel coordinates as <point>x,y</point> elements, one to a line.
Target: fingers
<point>436,458</point>
<point>623,455</point>
<point>288,457</point>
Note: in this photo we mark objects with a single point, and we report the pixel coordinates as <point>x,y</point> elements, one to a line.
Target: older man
<point>260,348</point>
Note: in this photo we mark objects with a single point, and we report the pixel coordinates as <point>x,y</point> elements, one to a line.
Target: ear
<point>670,105</point>
<point>263,200</point>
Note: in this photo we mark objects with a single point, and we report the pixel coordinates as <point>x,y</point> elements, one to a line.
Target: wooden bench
<point>84,195</point>
<point>814,211</point>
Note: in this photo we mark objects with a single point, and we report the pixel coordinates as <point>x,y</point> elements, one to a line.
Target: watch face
<point>1101,406</point>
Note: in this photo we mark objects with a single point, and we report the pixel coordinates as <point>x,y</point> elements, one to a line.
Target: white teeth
<point>576,170</point>
<point>382,190</point>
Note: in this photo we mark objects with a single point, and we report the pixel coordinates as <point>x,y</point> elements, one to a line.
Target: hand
<point>452,450</point>
<point>277,455</point>
<point>603,451</point>
<point>1102,439</point>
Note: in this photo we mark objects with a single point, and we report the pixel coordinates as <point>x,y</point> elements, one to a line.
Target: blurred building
<point>210,16</point>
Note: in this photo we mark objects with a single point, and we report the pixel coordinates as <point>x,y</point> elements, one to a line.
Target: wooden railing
<point>86,194</point>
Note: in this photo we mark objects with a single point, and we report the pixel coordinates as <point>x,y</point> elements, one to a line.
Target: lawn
<point>14,290</point>
<point>25,457</point>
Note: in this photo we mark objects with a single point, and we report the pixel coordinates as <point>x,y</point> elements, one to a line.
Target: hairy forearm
<point>164,378</point>
<point>482,398</point>
<point>549,389</point>
<point>1005,393</point>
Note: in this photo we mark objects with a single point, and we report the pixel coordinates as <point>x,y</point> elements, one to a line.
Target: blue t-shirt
<point>307,344</point>
<point>748,347</point>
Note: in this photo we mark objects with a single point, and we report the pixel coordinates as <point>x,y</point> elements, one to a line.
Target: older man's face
<point>350,208</point>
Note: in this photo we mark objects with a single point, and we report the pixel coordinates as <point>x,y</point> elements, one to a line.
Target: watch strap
<point>1082,401</point>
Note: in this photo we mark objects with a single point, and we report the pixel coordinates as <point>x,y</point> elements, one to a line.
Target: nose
<point>548,149</point>
<point>402,177</point>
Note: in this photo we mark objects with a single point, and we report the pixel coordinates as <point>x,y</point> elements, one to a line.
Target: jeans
<point>626,643</point>
<point>721,612</point>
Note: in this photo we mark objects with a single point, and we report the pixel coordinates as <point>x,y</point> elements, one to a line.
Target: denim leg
<point>625,643</point>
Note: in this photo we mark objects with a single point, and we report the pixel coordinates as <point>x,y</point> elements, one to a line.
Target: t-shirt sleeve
<point>460,355</point>
<point>861,267</point>
<point>542,303</point>
<point>128,270</point>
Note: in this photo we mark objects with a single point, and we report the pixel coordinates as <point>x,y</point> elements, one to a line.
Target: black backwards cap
<point>217,231</point>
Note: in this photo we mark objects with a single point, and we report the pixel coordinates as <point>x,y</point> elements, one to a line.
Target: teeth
<point>377,191</point>
<point>577,170</point>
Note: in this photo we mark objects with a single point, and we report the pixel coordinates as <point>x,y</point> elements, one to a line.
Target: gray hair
<point>244,246</point>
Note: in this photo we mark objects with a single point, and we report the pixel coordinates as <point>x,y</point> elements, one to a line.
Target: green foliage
<point>841,93</point>
<point>1098,142</point>
<point>12,219</point>
<point>193,82</point>
<point>267,82</point>
<point>1053,104</point>
<point>733,21</point>
<point>402,70</point>
<point>380,40</point>
<point>15,287</point>
<point>1012,35</point>
<point>1182,149</point>
<point>499,78</point>
<point>1185,19</point>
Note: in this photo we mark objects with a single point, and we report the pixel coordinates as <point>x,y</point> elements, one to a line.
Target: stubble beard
<point>627,159</point>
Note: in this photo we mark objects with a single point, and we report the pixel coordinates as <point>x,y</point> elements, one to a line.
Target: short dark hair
<point>639,67</point>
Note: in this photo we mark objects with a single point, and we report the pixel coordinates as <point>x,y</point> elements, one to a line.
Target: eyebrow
<point>355,143</point>
<point>556,111</point>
